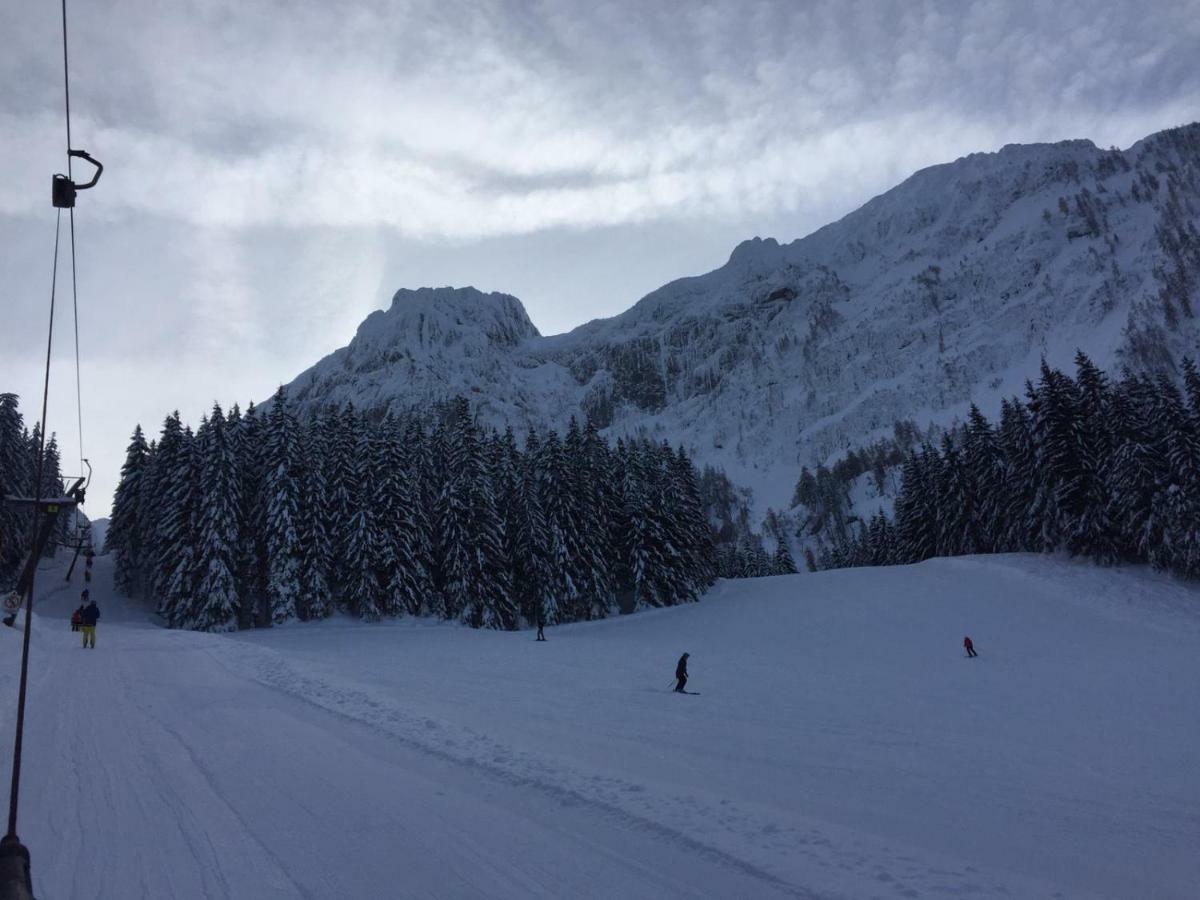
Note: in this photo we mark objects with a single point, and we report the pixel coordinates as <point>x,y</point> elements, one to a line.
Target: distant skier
<point>541,623</point>
<point>90,616</point>
<point>681,675</point>
<point>970,648</point>
<point>77,618</point>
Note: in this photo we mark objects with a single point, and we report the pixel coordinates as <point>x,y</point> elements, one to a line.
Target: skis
<point>691,693</point>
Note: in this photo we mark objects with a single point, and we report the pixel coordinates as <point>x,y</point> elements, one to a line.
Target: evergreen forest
<point>1103,469</point>
<point>265,517</point>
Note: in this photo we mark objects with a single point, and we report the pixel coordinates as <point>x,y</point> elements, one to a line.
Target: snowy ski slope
<point>842,746</point>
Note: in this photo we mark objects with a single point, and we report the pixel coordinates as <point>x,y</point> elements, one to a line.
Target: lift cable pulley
<point>63,189</point>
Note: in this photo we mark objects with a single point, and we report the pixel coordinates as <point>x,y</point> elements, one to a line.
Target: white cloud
<point>458,122</point>
<point>270,164</point>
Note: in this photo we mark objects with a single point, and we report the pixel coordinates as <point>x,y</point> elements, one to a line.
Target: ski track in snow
<point>338,759</point>
<point>761,841</point>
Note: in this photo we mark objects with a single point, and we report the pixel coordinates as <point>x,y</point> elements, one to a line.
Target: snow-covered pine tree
<point>680,575</point>
<point>389,465</point>
<point>366,568</point>
<point>434,484</point>
<point>842,553</point>
<point>408,588</point>
<point>216,599</point>
<point>1191,384</point>
<point>148,518</point>
<point>449,523</point>
<point>694,530</point>
<point>958,524</point>
<point>52,486</point>
<point>916,508</point>
<point>670,574</point>
<point>178,551</point>
<point>638,545</point>
<point>33,444</point>
<point>421,484</point>
<point>282,474</point>
<point>162,519</point>
<point>1177,502</point>
<point>879,549</point>
<point>782,562</point>
<point>506,465</point>
<point>985,472</point>
<point>620,522</point>
<point>587,459</point>
<point>859,548</point>
<point>557,508</point>
<point>755,561</point>
<point>342,487</point>
<point>16,479</point>
<point>1137,468</point>
<point>247,435</point>
<point>1019,500</point>
<point>1092,533</point>
<point>1057,427</point>
<point>316,550</point>
<point>492,604</point>
<point>532,580</point>
<point>1184,463</point>
<point>125,538</point>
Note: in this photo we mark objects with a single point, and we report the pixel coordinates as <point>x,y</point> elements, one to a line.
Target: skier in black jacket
<point>681,674</point>
<point>90,616</point>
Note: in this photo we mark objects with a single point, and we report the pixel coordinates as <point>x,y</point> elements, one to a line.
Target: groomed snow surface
<point>842,746</point>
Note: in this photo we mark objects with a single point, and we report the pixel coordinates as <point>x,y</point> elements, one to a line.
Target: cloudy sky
<point>276,170</point>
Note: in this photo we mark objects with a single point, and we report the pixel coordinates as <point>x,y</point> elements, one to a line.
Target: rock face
<point>430,344</point>
<point>950,287</point>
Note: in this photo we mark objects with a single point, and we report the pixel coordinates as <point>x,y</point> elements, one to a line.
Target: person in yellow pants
<point>90,616</point>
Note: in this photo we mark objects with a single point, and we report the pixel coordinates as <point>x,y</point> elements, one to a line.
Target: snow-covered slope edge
<point>950,287</point>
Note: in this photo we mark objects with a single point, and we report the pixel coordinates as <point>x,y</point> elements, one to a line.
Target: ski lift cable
<point>37,493</point>
<point>67,88</point>
<point>15,880</point>
<point>78,379</point>
<point>74,285</point>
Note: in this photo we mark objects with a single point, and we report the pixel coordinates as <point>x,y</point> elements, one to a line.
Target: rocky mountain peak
<point>949,288</point>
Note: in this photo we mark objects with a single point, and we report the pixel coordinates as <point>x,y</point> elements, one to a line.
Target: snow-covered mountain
<point>950,287</point>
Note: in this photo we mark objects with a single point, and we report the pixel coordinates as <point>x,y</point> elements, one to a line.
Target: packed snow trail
<point>843,741</point>
<point>844,746</point>
<point>153,771</point>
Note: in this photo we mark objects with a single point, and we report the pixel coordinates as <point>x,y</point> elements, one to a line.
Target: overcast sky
<point>276,170</point>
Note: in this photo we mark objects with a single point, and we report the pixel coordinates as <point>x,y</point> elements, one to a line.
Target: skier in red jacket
<point>970,647</point>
